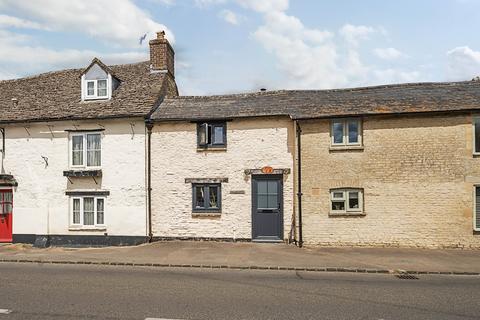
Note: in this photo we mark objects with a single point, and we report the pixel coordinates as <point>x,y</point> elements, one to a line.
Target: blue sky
<point>225,46</point>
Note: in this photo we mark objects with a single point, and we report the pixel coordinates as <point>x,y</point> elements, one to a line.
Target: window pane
<point>199,197</point>
<point>90,88</point>
<point>202,134</point>
<point>477,135</point>
<point>337,132</point>
<point>353,200</point>
<point>218,135</point>
<point>77,150</point>
<point>262,187</point>
<point>213,195</point>
<point>102,88</point>
<point>338,205</point>
<point>88,211</point>
<point>76,211</point>
<point>338,195</point>
<point>100,210</point>
<point>93,150</point>
<point>353,131</point>
<point>262,201</point>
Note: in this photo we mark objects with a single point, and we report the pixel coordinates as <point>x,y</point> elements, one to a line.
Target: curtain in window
<point>6,199</point>
<point>76,211</point>
<point>218,135</point>
<point>93,150</point>
<point>100,211</point>
<point>102,88</point>
<point>90,88</point>
<point>77,150</point>
<point>88,211</point>
<point>199,197</point>
<point>213,194</point>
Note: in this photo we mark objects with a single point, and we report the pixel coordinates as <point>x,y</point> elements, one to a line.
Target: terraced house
<point>74,146</point>
<point>111,155</point>
<point>393,165</point>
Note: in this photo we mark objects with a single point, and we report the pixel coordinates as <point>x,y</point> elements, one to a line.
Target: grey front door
<point>267,208</point>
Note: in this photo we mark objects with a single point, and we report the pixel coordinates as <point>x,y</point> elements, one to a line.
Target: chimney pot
<point>161,35</point>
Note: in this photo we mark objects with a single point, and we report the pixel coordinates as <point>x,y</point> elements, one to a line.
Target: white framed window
<point>476,208</point>
<point>86,150</point>
<point>96,89</point>
<point>346,201</point>
<point>346,132</point>
<point>87,212</point>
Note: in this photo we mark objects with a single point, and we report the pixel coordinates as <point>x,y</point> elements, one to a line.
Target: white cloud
<point>311,58</point>
<point>205,3</point>
<point>120,23</point>
<point>463,63</point>
<point>265,5</point>
<point>229,16</point>
<point>388,53</point>
<point>354,34</point>
<point>9,21</point>
<point>19,57</point>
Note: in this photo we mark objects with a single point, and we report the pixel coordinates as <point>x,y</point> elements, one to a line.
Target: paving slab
<point>258,255</point>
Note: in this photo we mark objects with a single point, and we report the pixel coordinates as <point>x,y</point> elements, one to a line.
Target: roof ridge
<point>350,89</point>
<point>79,70</point>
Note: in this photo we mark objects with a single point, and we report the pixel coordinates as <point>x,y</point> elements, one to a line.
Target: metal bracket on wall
<point>70,180</point>
<point>132,126</point>
<point>95,180</point>
<point>51,131</point>
<point>28,132</point>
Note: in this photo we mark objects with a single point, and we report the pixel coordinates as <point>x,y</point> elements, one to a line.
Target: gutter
<point>149,126</point>
<point>299,183</point>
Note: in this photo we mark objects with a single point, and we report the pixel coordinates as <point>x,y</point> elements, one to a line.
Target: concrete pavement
<point>256,256</point>
<point>39,291</point>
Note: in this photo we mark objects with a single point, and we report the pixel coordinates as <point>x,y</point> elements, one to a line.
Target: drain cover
<point>406,276</point>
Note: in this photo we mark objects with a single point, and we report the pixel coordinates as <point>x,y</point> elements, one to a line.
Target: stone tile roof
<point>57,95</point>
<point>304,104</point>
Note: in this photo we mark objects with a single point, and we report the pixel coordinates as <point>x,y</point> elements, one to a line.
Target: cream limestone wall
<point>252,144</point>
<point>417,174</point>
<point>40,204</point>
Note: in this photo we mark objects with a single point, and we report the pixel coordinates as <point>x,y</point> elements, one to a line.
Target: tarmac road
<point>41,291</point>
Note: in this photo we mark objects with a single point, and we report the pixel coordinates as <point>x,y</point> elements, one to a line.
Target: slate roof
<point>57,95</point>
<point>304,104</point>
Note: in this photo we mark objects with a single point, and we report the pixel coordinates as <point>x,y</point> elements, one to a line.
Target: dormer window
<point>97,89</point>
<point>98,81</point>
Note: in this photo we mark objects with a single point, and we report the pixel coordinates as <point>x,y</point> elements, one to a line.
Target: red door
<point>6,208</point>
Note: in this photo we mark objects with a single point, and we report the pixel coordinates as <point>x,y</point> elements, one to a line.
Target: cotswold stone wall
<point>251,144</point>
<point>417,174</point>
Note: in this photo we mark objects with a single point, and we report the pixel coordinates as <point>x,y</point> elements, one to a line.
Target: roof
<point>101,64</point>
<point>304,104</point>
<point>57,95</point>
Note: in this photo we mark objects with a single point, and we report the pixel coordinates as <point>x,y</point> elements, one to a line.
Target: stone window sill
<point>220,149</point>
<point>206,214</point>
<point>99,228</point>
<point>347,214</point>
<point>82,173</point>
<point>346,148</point>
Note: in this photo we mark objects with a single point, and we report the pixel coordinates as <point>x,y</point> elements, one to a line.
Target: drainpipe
<point>299,183</point>
<point>149,179</point>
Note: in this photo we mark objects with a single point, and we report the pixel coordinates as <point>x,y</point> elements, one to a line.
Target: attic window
<point>96,89</point>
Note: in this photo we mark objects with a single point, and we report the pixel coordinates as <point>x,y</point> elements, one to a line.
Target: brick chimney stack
<point>162,56</point>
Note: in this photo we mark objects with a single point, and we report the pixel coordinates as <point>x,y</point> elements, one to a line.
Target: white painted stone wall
<point>251,144</point>
<point>40,203</point>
